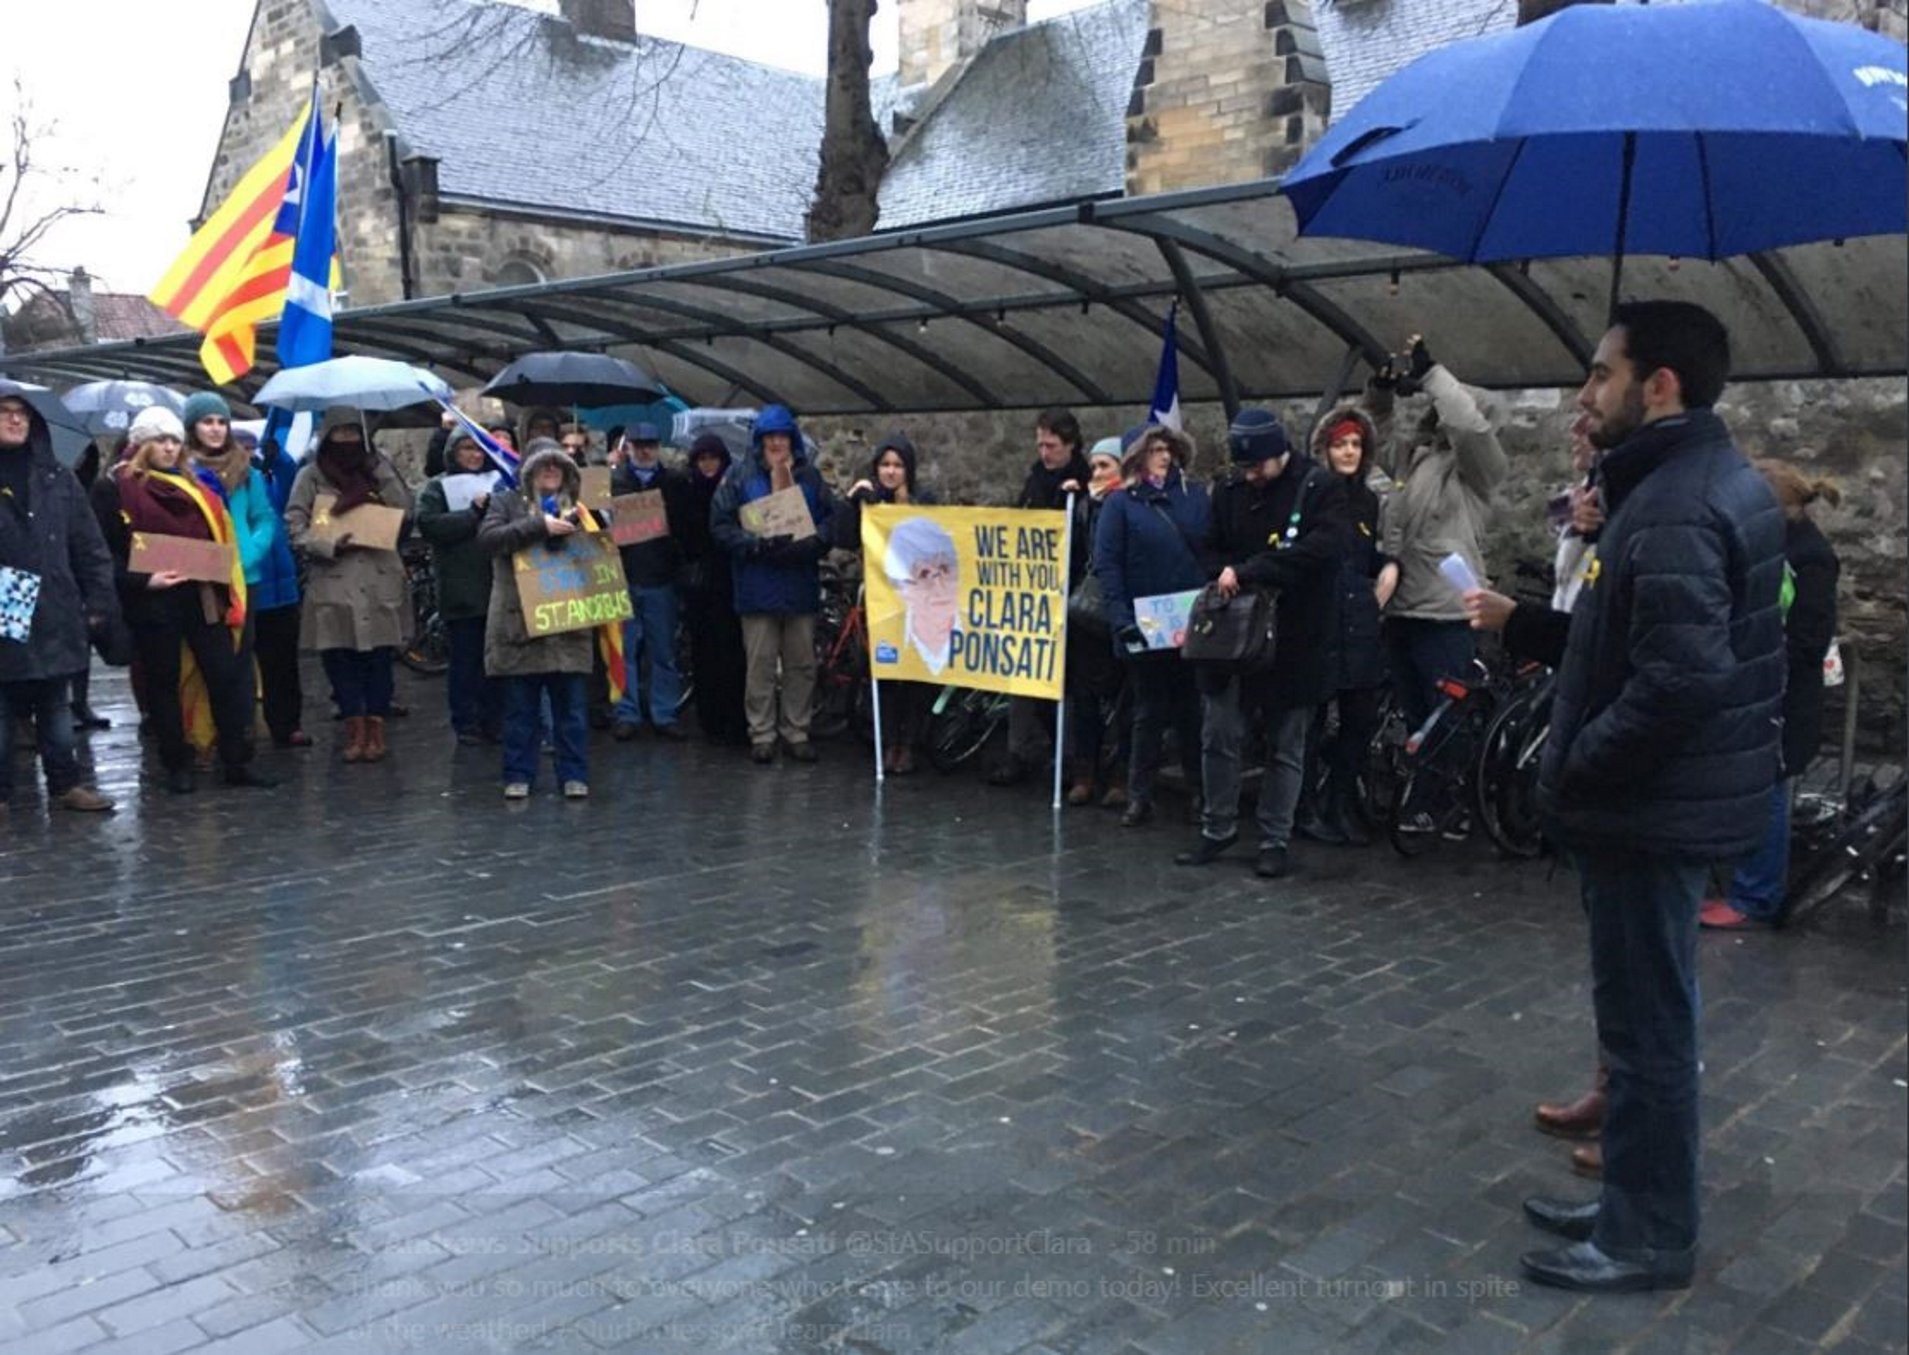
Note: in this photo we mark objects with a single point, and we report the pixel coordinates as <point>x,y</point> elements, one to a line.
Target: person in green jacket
<point>463,583</point>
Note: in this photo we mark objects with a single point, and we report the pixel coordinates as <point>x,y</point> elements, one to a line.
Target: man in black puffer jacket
<point>1663,748</point>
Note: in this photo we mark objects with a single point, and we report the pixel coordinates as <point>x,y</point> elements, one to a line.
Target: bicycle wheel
<point>1434,797</point>
<point>1858,852</point>
<point>1506,780</point>
<point>1383,768</point>
<point>686,672</point>
<point>429,652</point>
<point>962,723</point>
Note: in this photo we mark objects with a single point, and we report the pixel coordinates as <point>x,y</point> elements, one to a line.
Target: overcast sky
<point>136,93</point>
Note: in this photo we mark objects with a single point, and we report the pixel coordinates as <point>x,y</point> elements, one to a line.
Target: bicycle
<point>1865,839</point>
<point>842,695</point>
<point>960,724</point>
<point>1506,779</point>
<point>429,651</point>
<point>1437,792</point>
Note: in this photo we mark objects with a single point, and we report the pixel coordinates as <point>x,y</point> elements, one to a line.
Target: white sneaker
<point>517,790</point>
<point>576,790</point>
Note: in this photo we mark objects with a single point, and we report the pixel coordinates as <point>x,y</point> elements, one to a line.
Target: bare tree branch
<point>28,179</point>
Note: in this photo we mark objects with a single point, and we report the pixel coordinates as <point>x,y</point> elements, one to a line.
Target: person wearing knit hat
<point>1279,524</point>
<point>1345,442</point>
<point>1097,697</point>
<point>156,491</point>
<point>358,597</point>
<point>50,544</point>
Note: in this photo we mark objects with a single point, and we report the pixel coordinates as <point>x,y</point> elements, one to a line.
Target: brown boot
<point>374,739</point>
<point>1579,1119</point>
<point>1587,1159</point>
<point>354,738</point>
<point>1080,785</point>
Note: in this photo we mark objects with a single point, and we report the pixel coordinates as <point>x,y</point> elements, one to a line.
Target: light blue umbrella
<point>108,408</point>
<point>365,383</point>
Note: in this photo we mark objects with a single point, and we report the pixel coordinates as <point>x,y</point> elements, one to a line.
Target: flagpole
<point>1060,706</point>
<point>875,688</point>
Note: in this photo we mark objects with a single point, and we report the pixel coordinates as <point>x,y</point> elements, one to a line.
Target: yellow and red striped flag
<point>234,272</point>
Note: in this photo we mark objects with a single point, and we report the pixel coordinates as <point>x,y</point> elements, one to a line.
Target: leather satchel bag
<point>1237,633</point>
<point>1087,606</point>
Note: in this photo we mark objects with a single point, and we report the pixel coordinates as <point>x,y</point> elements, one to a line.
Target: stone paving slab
<point>735,1059</point>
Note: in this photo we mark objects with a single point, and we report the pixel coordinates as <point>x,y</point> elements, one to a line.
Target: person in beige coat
<point>357,598</point>
<point>538,514</point>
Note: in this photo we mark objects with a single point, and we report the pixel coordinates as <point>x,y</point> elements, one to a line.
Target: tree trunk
<point>1530,11</point>
<point>853,151</point>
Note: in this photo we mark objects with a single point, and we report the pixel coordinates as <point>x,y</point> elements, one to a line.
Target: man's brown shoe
<point>85,800</point>
<point>1587,1159</point>
<point>1579,1119</point>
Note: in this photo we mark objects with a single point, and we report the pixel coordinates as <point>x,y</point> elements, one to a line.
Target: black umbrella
<point>70,438</point>
<point>108,408</point>
<point>580,380</point>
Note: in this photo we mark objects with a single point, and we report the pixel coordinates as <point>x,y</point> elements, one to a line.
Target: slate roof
<point>1367,40</point>
<point>518,109</point>
<point>1039,116</point>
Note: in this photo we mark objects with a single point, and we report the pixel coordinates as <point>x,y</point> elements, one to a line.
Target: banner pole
<point>875,691</point>
<point>1060,706</point>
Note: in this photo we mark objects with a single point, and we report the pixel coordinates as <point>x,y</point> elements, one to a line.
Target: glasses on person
<point>934,577</point>
<point>15,412</point>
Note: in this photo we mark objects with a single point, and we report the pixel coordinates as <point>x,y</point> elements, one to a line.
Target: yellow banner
<point>976,597</point>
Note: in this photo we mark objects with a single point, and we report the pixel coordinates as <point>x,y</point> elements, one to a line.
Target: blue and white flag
<point>309,214</point>
<point>1165,409</point>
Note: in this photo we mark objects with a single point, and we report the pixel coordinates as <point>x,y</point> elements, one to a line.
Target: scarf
<point>166,503</point>
<point>232,466</point>
<point>353,473</point>
<point>1043,487</point>
<point>644,475</point>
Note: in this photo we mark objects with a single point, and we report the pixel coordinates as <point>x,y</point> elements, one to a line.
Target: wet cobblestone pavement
<point>735,1059</point>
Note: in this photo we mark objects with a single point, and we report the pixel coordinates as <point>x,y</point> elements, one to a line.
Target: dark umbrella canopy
<point>1695,130</point>
<point>108,408</point>
<point>70,438</point>
<point>582,380</point>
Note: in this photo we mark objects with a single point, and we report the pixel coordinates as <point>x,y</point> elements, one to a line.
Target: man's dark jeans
<point>1643,914</point>
<point>43,702</point>
<point>1419,653</point>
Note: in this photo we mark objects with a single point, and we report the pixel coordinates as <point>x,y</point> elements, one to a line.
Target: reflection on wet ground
<point>761,1060</point>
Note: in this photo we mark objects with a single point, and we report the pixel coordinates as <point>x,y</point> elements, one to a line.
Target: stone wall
<point>1855,432</point>
<point>1226,93</point>
<point>933,36</point>
<point>467,249</point>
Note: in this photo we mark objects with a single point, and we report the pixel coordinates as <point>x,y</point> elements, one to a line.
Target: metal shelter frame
<point>1067,305</point>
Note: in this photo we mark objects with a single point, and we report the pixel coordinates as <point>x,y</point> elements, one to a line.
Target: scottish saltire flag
<point>1165,409</point>
<point>502,457</point>
<point>309,215</point>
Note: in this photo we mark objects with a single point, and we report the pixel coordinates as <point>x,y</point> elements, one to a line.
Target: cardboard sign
<point>595,492</point>
<point>638,517</point>
<point>371,525</point>
<point>783,513</point>
<point>577,585</point>
<point>205,561</point>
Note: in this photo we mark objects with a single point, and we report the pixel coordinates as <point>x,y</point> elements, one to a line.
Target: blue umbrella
<point>70,438</point>
<point>108,408</point>
<point>1699,130</point>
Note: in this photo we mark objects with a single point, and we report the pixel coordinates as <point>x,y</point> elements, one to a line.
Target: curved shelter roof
<point>1067,306</point>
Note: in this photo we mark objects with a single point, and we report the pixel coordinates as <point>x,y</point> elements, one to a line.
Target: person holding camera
<point>1279,523</point>
<point>1450,468</point>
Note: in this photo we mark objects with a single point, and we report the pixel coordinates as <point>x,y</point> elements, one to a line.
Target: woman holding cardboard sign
<point>545,661</point>
<point>345,515</point>
<point>153,511</point>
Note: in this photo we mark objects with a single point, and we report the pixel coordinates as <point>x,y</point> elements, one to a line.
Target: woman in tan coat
<point>357,599</point>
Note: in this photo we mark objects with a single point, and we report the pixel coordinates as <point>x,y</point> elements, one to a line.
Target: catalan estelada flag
<point>235,270</point>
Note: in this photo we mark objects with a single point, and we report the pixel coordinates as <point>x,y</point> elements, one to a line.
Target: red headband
<point>1344,427</point>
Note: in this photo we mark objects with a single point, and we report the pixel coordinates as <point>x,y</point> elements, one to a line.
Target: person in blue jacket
<point>275,600</point>
<point>271,576</point>
<point>778,585</point>
<point>1147,542</point>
